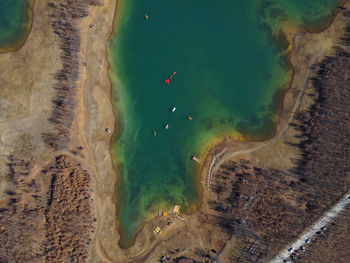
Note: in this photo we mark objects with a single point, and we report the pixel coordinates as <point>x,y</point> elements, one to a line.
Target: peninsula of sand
<point>57,184</point>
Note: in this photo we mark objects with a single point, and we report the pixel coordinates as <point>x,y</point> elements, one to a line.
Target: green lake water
<point>14,23</point>
<point>231,66</point>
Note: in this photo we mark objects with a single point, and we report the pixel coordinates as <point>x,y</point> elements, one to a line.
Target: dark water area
<point>15,19</point>
<point>231,69</point>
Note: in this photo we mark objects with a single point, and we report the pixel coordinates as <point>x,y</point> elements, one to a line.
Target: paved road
<point>323,221</point>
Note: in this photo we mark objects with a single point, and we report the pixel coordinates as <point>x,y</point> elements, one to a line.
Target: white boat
<point>166,126</point>
<point>174,109</point>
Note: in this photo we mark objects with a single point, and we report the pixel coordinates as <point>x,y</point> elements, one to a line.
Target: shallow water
<point>230,66</point>
<point>14,22</point>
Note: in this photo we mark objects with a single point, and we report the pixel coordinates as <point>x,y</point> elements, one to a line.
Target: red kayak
<point>167,81</point>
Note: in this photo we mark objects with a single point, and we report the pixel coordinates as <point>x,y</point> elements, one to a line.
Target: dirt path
<point>311,231</point>
<point>231,154</point>
<point>150,246</point>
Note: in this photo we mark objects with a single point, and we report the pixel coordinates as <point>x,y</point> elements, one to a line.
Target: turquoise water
<point>14,22</point>
<point>230,65</point>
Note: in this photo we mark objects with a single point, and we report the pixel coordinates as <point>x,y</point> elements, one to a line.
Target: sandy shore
<point>94,115</point>
<point>277,155</point>
<point>26,78</point>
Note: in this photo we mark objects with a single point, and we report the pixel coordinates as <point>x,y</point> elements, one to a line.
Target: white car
<point>290,250</point>
<point>307,241</point>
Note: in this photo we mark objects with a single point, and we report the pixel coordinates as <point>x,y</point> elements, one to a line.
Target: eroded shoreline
<point>93,113</point>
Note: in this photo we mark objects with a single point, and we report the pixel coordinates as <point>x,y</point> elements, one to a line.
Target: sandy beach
<point>26,106</point>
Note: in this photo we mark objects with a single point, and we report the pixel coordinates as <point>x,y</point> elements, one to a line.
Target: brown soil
<point>48,217</point>
<point>46,208</point>
<point>69,216</point>
<point>52,192</point>
<point>22,216</point>
<point>267,208</point>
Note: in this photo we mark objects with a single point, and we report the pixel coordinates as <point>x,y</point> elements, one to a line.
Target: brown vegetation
<point>22,216</point>
<point>64,17</point>
<point>332,245</point>
<point>262,207</point>
<point>68,213</point>
<point>267,208</point>
<point>48,218</point>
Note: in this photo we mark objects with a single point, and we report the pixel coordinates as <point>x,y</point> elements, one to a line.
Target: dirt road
<point>229,155</point>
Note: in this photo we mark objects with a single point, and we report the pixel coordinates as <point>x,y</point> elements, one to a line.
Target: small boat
<point>167,81</point>
<point>146,16</point>
<point>174,109</point>
<point>172,75</point>
<point>167,126</point>
<point>154,133</point>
